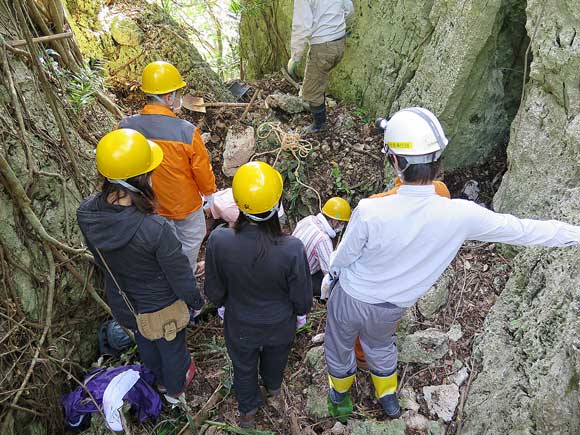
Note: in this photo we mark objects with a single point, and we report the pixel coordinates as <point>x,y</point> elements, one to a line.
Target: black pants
<point>168,360</point>
<point>253,349</point>
<point>317,282</point>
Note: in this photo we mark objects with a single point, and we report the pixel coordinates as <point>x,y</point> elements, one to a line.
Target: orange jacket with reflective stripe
<point>440,189</point>
<point>185,173</point>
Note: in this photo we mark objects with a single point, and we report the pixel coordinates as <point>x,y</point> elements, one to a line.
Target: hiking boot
<point>319,120</point>
<point>390,405</point>
<point>247,420</point>
<point>161,388</point>
<point>339,409</point>
<point>174,399</point>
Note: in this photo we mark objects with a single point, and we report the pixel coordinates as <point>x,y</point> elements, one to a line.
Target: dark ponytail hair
<point>269,232</point>
<point>144,201</point>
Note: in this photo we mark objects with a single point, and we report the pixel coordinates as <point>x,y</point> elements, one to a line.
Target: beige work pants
<point>322,58</point>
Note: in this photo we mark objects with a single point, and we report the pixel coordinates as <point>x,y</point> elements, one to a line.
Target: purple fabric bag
<point>144,399</point>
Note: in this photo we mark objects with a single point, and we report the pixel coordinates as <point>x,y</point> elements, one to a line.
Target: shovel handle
<point>224,105</point>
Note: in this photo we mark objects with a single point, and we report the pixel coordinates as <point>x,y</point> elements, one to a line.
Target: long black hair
<point>269,232</point>
<point>144,201</point>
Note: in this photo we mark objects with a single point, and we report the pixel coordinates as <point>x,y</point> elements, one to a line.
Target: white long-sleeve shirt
<point>316,235</point>
<point>396,247</point>
<point>318,21</point>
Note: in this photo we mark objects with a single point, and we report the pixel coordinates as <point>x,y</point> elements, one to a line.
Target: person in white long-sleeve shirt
<point>322,24</point>
<point>316,234</point>
<point>396,247</point>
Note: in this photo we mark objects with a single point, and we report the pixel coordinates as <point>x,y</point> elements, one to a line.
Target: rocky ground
<point>435,336</point>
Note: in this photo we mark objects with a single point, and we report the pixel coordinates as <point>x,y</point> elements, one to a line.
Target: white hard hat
<point>414,133</point>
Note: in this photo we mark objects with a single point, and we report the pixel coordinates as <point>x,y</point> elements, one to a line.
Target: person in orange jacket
<point>441,190</point>
<point>185,175</point>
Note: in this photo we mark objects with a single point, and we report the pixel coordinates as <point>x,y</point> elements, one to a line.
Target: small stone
<point>408,399</point>
<point>315,358</point>
<point>457,364</point>
<point>325,148</point>
<point>239,147</point>
<point>330,103</point>
<point>460,377</point>
<point>415,420</point>
<point>345,122</point>
<point>455,333</point>
<point>424,347</point>
<point>338,429</point>
<point>206,137</point>
<point>125,31</point>
<point>318,338</point>
<point>442,400</point>
<point>373,427</point>
<point>407,323</point>
<point>286,102</point>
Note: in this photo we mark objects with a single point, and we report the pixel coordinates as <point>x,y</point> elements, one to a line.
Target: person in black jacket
<point>262,278</point>
<point>141,251</point>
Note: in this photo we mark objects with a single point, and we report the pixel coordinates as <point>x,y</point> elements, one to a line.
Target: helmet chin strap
<point>125,185</point>
<point>264,219</point>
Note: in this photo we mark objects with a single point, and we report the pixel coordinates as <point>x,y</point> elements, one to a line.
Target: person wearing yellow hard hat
<point>261,276</point>
<point>185,178</point>
<point>145,270</point>
<point>317,234</point>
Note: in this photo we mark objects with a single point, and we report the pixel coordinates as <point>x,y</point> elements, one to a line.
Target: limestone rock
<point>529,348</point>
<point>373,427</point>
<point>316,402</point>
<point>407,323</point>
<point>125,31</point>
<point>318,338</point>
<point>442,400</point>
<point>431,302</point>
<point>315,358</point>
<point>421,423</point>
<point>408,399</point>
<point>425,347</point>
<point>286,102</point>
<point>455,333</point>
<point>239,147</point>
<point>460,377</point>
<point>338,429</point>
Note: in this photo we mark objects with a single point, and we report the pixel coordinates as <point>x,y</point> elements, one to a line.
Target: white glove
<point>325,286</point>
<point>207,202</point>
<point>300,321</point>
<point>221,312</point>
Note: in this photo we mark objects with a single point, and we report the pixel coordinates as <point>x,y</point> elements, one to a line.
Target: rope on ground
<point>289,142</point>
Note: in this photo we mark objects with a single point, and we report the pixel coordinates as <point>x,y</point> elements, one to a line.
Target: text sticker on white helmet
<point>401,145</point>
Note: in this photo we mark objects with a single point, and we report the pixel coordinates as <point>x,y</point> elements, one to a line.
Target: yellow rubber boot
<point>339,402</point>
<point>386,389</point>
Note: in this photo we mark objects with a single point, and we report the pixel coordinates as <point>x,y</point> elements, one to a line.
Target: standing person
<point>185,173</point>
<point>317,233</point>
<point>396,247</point>
<point>261,277</point>
<point>140,254</point>
<point>322,23</point>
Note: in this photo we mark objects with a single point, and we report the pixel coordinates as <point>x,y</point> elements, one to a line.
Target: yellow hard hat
<point>337,208</point>
<point>161,78</point>
<point>257,187</point>
<point>126,153</point>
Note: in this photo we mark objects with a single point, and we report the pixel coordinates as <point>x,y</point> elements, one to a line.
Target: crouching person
<point>149,282</point>
<point>317,233</point>
<point>262,278</point>
<point>396,247</point>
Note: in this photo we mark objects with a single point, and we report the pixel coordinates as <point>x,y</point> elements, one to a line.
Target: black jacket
<point>263,292</point>
<point>144,255</point>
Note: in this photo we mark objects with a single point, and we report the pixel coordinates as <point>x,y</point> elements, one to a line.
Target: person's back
<point>257,283</point>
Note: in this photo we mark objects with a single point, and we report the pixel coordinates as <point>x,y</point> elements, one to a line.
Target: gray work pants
<point>349,318</point>
<point>190,232</point>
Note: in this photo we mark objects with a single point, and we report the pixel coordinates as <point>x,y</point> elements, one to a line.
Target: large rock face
<point>126,36</point>
<point>530,349</point>
<point>461,59</point>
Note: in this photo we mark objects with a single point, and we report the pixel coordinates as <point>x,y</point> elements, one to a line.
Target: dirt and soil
<point>346,162</point>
